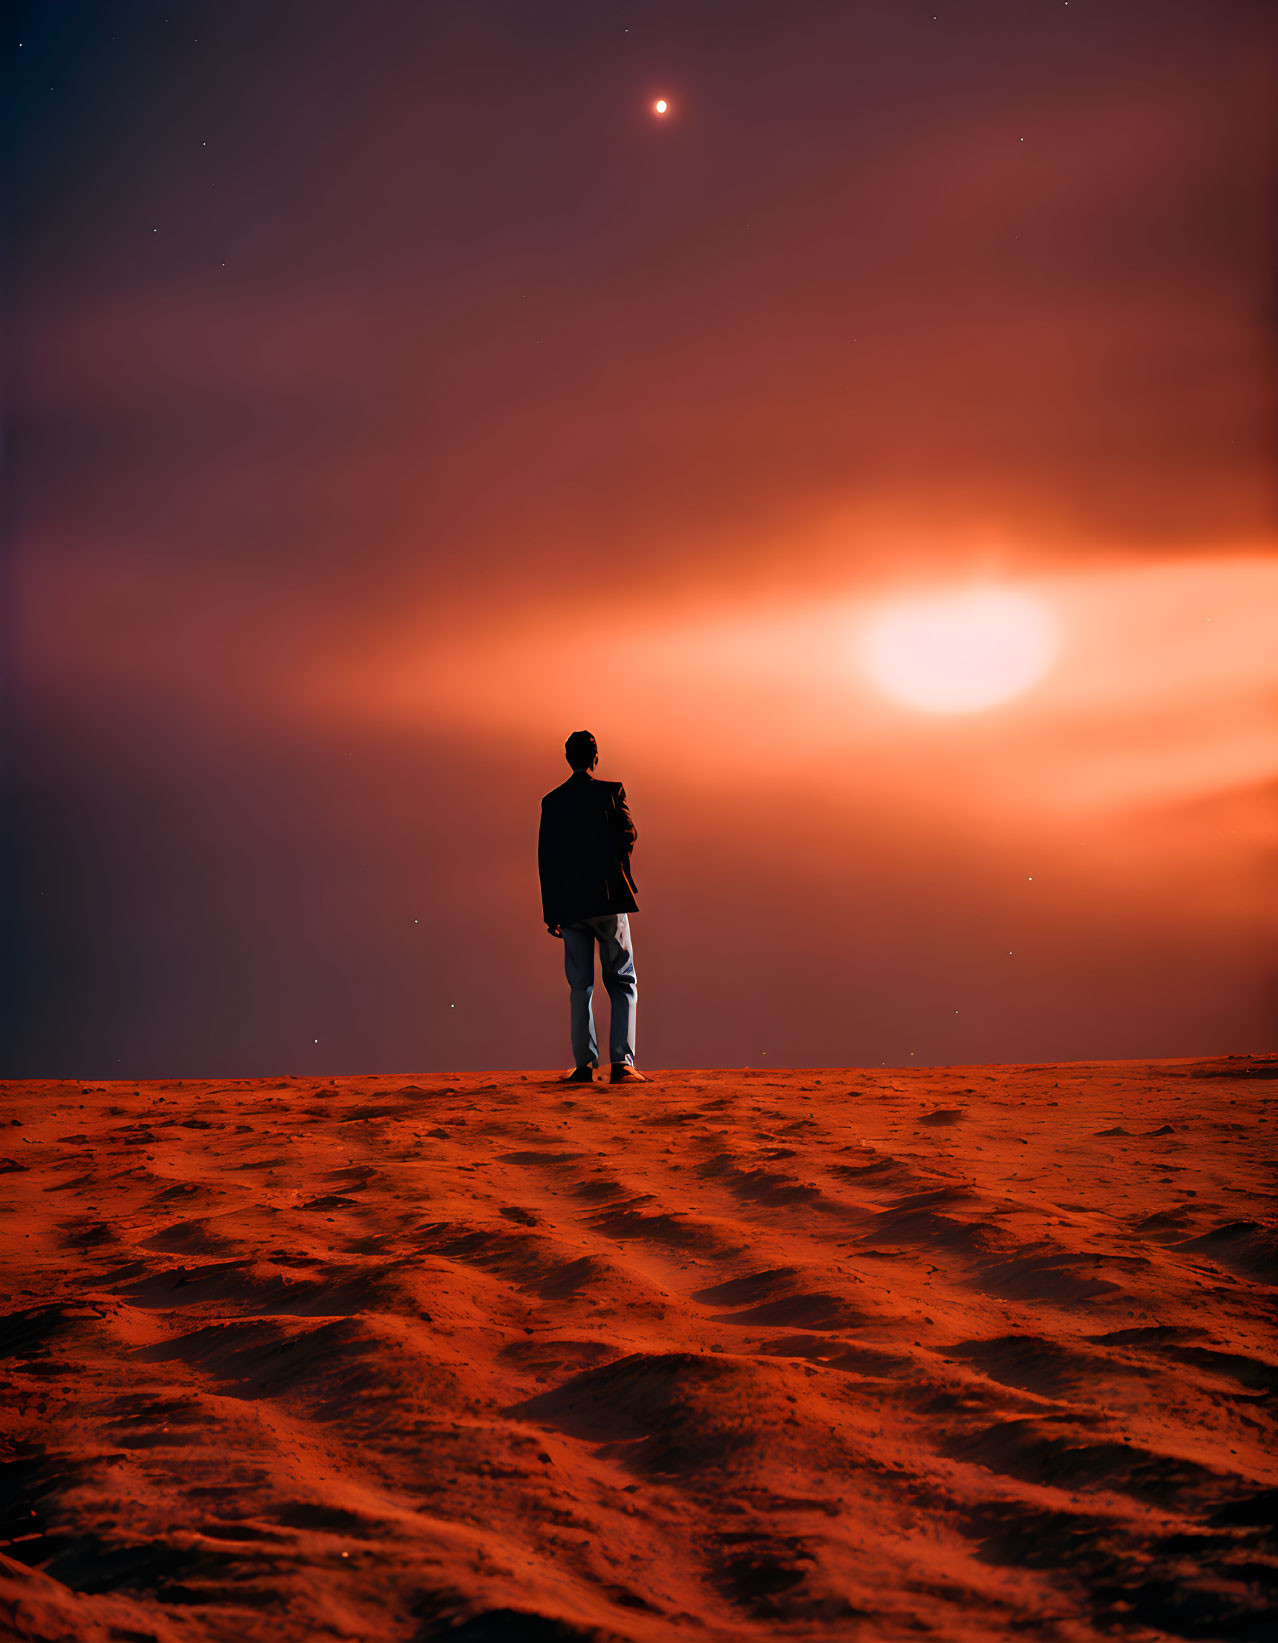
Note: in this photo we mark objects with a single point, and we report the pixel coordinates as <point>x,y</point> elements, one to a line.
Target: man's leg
<point>579,967</point>
<point>617,961</point>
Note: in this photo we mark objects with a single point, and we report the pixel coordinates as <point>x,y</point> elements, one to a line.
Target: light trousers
<point>617,962</point>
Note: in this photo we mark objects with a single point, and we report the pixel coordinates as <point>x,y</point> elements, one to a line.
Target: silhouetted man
<point>587,893</point>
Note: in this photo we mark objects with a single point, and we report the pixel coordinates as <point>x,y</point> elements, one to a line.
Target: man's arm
<point>543,853</point>
<point>627,832</point>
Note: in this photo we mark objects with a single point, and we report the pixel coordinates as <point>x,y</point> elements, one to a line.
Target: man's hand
<point>554,930</point>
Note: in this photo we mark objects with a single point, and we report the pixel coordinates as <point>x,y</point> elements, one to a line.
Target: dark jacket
<point>583,851</point>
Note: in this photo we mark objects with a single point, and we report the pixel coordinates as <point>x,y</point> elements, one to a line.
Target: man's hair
<point>581,749</point>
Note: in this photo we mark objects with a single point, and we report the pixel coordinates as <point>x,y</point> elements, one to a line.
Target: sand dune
<point>970,1353</point>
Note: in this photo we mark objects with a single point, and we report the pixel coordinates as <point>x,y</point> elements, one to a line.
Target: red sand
<point>968,1353</point>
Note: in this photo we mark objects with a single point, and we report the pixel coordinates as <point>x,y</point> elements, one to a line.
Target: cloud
<point>1163,692</point>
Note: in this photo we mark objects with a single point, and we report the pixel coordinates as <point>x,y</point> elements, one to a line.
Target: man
<point>587,893</point>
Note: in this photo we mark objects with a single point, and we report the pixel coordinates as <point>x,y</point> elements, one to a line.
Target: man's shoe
<point>580,1075</point>
<point>624,1073</point>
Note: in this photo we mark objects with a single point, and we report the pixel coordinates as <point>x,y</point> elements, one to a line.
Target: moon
<point>960,652</point>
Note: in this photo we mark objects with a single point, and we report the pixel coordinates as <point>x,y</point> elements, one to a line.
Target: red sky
<point>392,393</point>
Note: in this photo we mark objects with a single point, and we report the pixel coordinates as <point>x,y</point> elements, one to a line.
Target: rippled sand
<point>967,1353</point>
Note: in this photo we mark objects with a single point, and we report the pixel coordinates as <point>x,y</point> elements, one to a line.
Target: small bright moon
<point>960,652</point>
<point>660,106</point>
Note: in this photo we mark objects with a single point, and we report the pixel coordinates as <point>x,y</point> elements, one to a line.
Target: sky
<point>391,390</point>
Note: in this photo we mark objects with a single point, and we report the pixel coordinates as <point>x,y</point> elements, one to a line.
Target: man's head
<point>581,750</point>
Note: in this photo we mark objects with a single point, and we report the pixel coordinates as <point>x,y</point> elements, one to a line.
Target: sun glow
<point>961,652</point>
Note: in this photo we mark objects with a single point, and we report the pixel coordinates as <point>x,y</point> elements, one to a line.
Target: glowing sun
<point>960,652</point>
<point>660,106</point>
